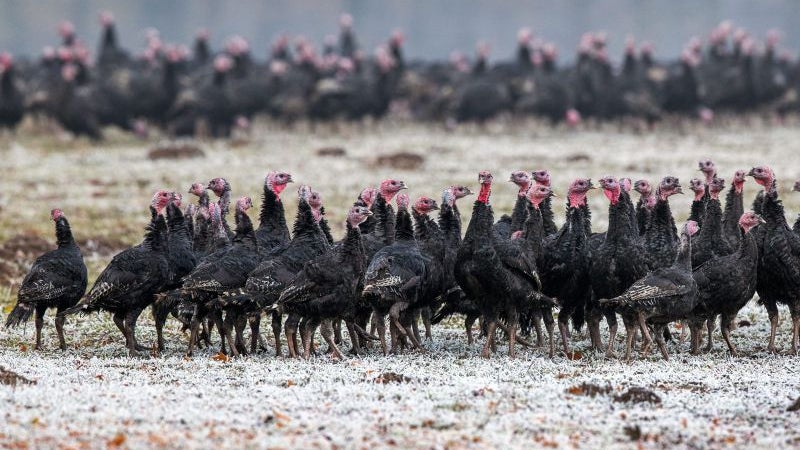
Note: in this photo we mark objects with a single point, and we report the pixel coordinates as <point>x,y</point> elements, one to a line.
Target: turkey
<point>645,205</point>
<point>778,277</point>
<point>130,281</point>
<point>496,273</point>
<point>431,243</point>
<point>272,229</point>
<point>725,284</point>
<point>734,208</point>
<point>329,286</point>
<point>542,177</point>
<point>277,269</point>
<point>616,264</point>
<point>698,208</point>
<point>710,242</point>
<point>663,296</point>
<point>507,225</point>
<point>385,220</point>
<point>661,238</point>
<point>182,260</point>
<point>564,260</point>
<point>796,227</point>
<point>224,273</point>
<point>395,281</point>
<point>222,189</point>
<point>57,279</point>
<point>12,101</point>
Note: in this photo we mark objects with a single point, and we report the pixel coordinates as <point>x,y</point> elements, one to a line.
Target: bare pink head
<point>197,189</point>
<point>368,196</point>
<point>218,186</point>
<point>538,193</point>
<point>222,63</point>
<point>56,214</point>
<point>424,205</point>
<point>522,179</point>
<point>243,204</point>
<point>572,117</point>
<point>357,215</point>
<point>739,178</point>
<point>698,187</point>
<point>402,201</point>
<point>626,184</point>
<point>750,220</point>
<point>460,192</point>
<point>276,181</point>
<point>669,186</point>
<point>69,72</point>
<point>177,199</point>
<point>346,21</point>
<point>576,194</point>
<point>485,179</point>
<point>160,200</point>
<point>716,186</point>
<point>66,29</point>
<point>708,168</point>
<point>390,187</point>
<point>611,189</point>
<point>643,187</point>
<point>763,176</point>
<point>541,177</point>
<point>691,228</point>
<point>106,18</point>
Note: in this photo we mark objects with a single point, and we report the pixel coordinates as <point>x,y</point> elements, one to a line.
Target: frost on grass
<point>95,395</point>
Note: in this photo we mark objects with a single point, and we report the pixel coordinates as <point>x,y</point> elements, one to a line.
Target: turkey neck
<point>697,212</point>
<point>353,249</point>
<point>684,260</point>
<point>748,249</point>
<point>272,217</point>
<point>203,200</point>
<point>520,213</point>
<point>244,228</point>
<point>422,226</point>
<point>450,224</point>
<point>156,235</point>
<point>386,221</point>
<point>534,231</point>
<point>110,36</point>
<point>712,222</point>
<point>7,82</point>
<point>661,221</point>
<point>326,229</point>
<point>64,233</point>
<point>548,222</point>
<point>480,224</point>
<point>404,230</point>
<point>619,226</point>
<point>772,210</point>
<point>734,204</point>
<point>304,223</point>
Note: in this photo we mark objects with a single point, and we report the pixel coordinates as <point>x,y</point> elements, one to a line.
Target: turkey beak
<point>761,220</point>
<point>434,207</point>
<point>369,213</point>
<point>403,185</point>
<point>752,172</point>
<point>553,194</point>
<point>289,179</point>
<point>678,190</point>
<point>467,191</point>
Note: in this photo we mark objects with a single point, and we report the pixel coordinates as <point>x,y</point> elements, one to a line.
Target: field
<point>95,396</point>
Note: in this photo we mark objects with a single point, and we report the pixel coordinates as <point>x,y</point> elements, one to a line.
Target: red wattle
<point>483,195</point>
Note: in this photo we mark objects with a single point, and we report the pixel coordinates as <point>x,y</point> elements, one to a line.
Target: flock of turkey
<point>511,274</point>
<point>181,92</point>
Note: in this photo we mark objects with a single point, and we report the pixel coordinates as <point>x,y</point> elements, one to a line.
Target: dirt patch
<point>578,157</point>
<point>10,378</point>
<point>638,395</point>
<point>589,389</point>
<point>175,150</point>
<point>18,252</point>
<point>331,151</point>
<point>391,377</point>
<point>794,406</point>
<point>401,161</point>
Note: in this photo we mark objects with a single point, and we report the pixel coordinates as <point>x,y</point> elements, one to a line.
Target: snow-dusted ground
<point>94,396</point>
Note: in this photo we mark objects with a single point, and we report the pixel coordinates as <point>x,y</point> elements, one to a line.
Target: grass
<point>445,397</point>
